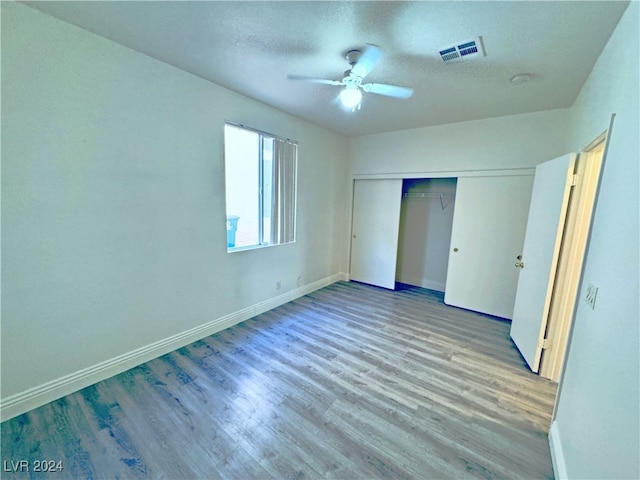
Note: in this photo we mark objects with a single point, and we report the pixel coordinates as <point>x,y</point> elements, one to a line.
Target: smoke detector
<point>463,51</point>
<point>520,78</point>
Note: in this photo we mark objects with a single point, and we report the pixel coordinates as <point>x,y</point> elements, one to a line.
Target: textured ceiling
<point>251,47</point>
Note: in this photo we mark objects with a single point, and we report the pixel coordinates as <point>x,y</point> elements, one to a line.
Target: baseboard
<point>293,294</point>
<point>421,282</point>
<point>35,397</point>
<point>557,456</point>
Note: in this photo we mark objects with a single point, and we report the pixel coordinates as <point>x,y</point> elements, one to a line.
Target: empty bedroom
<point>320,239</point>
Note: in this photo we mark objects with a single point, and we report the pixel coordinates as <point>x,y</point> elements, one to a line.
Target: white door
<point>375,227</point>
<point>545,225</point>
<point>489,222</point>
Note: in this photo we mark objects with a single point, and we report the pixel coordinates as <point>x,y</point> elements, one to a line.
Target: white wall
<point>596,432</point>
<point>114,232</point>
<point>515,141</point>
<point>425,233</point>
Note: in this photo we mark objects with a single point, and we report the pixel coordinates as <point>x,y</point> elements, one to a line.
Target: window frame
<point>290,208</point>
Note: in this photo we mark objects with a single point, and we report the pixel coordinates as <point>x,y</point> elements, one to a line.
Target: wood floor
<point>350,382</point>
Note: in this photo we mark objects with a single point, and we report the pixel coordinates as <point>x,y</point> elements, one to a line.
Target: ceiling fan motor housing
<point>353,56</point>
<point>351,79</point>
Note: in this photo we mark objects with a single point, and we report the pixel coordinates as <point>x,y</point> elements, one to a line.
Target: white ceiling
<point>250,47</point>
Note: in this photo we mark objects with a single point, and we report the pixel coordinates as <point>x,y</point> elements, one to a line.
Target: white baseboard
<point>35,397</point>
<point>421,282</point>
<point>557,455</point>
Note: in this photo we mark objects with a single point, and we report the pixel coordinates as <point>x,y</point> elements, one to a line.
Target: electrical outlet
<point>278,285</point>
<point>590,297</point>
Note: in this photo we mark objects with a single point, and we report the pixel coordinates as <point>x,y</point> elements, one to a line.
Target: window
<point>260,188</point>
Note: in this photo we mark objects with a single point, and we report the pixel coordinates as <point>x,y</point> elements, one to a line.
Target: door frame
<point>607,139</point>
<point>571,256</point>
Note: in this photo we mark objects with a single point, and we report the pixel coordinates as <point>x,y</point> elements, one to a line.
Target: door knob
<point>520,264</point>
<point>455,249</point>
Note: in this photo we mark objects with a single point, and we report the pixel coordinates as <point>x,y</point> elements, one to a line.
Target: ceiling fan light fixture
<point>350,97</point>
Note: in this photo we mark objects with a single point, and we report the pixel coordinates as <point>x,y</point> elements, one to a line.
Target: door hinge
<point>545,344</point>
<point>575,178</point>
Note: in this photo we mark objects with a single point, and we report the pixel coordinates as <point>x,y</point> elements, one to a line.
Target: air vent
<point>463,51</point>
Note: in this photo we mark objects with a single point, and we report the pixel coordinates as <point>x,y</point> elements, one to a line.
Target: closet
<point>458,235</point>
<point>426,218</point>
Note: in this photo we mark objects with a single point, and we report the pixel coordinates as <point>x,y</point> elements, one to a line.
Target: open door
<point>375,230</point>
<point>543,238</point>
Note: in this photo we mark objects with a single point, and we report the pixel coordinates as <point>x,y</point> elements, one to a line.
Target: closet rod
<point>430,195</point>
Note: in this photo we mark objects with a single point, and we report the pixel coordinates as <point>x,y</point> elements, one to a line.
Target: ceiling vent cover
<point>463,51</point>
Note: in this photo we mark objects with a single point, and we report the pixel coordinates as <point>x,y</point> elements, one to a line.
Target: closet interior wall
<point>426,219</point>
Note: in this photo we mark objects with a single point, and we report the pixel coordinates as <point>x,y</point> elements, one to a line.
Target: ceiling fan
<point>362,62</point>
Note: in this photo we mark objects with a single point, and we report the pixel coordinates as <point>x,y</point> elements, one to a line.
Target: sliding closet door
<point>489,223</point>
<point>375,227</point>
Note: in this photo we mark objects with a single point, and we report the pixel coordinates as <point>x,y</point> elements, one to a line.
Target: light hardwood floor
<point>351,382</point>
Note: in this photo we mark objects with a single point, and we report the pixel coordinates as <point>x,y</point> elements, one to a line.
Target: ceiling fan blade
<point>367,61</point>
<point>388,90</point>
<point>314,80</point>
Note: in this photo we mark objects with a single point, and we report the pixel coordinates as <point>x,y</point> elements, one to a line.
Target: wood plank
<point>351,381</point>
